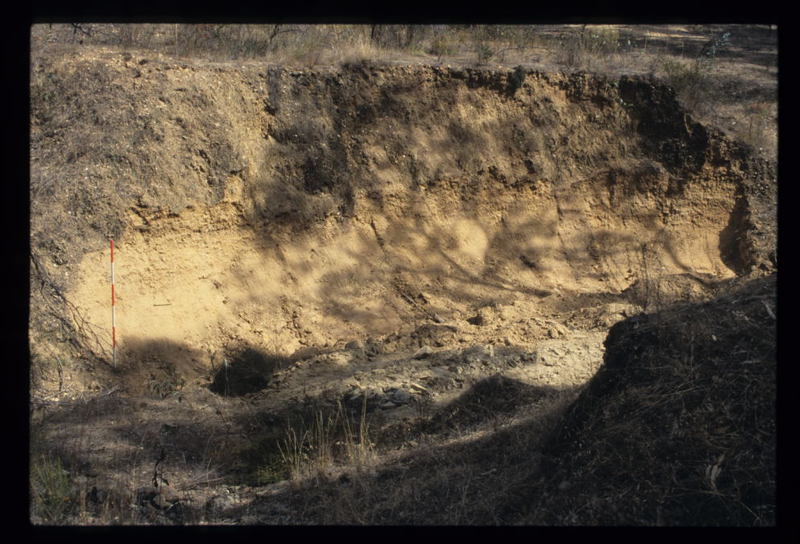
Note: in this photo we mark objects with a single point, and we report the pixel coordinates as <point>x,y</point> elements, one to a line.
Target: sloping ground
<point>668,432</point>
<point>677,427</point>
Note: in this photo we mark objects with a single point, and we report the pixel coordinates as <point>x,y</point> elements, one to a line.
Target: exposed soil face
<point>336,206</point>
<point>377,237</point>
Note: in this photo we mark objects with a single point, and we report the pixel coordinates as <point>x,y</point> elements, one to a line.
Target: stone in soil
<point>423,353</point>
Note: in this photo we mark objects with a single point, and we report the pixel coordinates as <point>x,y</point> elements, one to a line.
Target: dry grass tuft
<point>327,439</point>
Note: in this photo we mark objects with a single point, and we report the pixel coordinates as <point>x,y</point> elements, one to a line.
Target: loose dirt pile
<point>373,238</point>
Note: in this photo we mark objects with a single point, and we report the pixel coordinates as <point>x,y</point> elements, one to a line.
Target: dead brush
<point>360,51</point>
<point>53,312</point>
<point>684,76</point>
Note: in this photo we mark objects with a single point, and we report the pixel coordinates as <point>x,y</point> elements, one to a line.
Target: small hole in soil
<point>244,371</point>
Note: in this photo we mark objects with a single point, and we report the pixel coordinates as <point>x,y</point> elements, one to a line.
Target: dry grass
<point>331,439</point>
<point>51,491</point>
<point>453,468</point>
<point>60,495</point>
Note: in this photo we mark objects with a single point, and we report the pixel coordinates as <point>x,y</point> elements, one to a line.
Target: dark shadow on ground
<point>245,370</point>
<point>682,391</point>
<point>156,367</point>
<point>676,429</point>
<point>433,484</point>
<point>151,421</point>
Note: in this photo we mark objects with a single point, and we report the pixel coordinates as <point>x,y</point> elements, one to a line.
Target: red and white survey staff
<point>113,312</point>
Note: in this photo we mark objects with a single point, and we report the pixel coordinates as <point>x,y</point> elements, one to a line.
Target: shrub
<point>754,130</point>
<point>441,46</point>
<point>688,79</point>
<point>602,41</point>
<point>484,52</point>
<point>575,46</point>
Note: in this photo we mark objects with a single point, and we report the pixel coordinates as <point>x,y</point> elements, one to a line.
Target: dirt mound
<point>672,432</point>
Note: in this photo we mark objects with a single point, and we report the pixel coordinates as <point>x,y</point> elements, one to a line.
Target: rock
<point>353,345</point>
<point>430,333</point>
<point>618,309</point>
<point>423,353</point>
<point>479,354</point>
<point>372,397</point>
<point>145,495</point>
<point>336,359</point>
<point>419,388</point>
<point>399,396</point>
<point>477,320</point>
<point>514,360</point>
<point>161,498</point>
<point>547,359</point>
<point>357,400</point>
<point>373,347</point>
<point>356,394</point>
<point>530,357</point>
<point>166,497</point>
<point>217,504</point>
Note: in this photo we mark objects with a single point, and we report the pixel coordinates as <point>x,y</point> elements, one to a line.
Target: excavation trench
<point>387,234</point>
<point>429,260</point>
<point>370,213</point>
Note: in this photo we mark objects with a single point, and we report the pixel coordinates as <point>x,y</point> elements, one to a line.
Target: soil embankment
<point>304,208</point>
<point>384,237</point>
